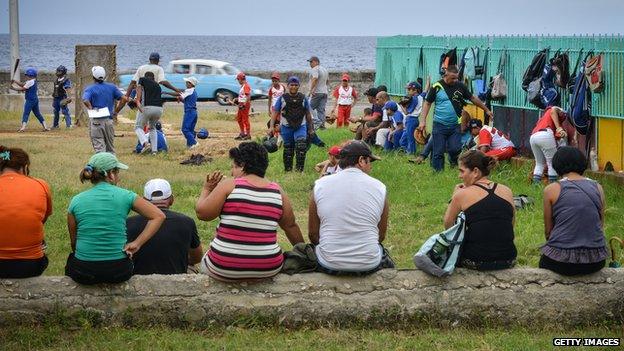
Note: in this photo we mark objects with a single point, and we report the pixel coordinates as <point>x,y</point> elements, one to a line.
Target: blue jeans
<point>428,149</point>
<point>291,135</point>
<point>395,144</point>
<point>408,142</point>
<point>445,139</point>
<point>188,127</point>
<point>317,105</point>
<point>56,105</point>
<point>32,105</point>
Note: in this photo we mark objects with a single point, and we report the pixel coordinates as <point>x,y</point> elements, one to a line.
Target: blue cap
<point>293,79</point>
<point>203,133</point>
<point>413,85</point>
<point>154,56</point>
<point>31,72</point>
<point>391,105</point>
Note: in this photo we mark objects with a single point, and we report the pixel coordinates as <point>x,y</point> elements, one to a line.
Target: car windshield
<point>229,69</point>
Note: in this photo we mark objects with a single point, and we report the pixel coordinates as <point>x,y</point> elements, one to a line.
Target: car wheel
<point>223,96</point>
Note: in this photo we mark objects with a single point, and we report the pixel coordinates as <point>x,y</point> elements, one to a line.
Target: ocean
<point>46,52</point>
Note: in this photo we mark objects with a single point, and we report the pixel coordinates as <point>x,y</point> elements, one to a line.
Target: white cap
<point>98,72</point>
<point>157,189</point>
<point>191,80</point>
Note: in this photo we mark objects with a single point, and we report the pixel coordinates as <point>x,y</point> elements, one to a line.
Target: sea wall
<point>389,298</point>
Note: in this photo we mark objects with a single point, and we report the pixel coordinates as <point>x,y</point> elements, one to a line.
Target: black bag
<point>448,58</point>
<point>561,64</point>
<point>535,69</point>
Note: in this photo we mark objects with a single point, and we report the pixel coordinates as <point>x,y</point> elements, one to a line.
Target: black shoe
<point>246,137</point>
<point>240,137</point>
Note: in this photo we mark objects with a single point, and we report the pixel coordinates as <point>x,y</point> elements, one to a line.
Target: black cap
<point>154,56</point>
<point>475,123</point>
<point>314,58</point>
<point>358,148</point>
<point>371,92</point>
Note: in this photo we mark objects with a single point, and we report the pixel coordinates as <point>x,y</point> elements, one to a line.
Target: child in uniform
<point>61,93</point>
<point>32,100</point>
<point>189,96</point>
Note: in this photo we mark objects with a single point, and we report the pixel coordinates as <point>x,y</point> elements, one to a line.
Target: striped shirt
<point>245,245</point>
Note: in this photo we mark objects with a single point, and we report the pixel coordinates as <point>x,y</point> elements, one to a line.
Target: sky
<point>317,17</point>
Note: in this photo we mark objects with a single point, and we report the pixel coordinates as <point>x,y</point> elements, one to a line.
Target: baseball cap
<point>391,105</point>
<point>105,161</point>
<point>314,58</point>
<point>413,85</point>
<point>334,151</point>
<point>154,56</point>
<point>358,148</point>
<point>345,77</point>
<point>475,123</point>
<point>191,80</point>
<point>240,76</point>
<point>371,92</point>
<point>157,189</point>
<point>98,72</point>
<point>275,75</point>
<point>293,79</point>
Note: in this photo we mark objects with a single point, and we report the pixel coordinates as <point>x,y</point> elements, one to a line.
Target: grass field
<point>418,199</point>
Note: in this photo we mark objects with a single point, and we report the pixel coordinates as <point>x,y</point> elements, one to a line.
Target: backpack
<point>572,80</point>
<point>448,58</point>
<point>579,111</point>
<point>595,74</point>
<point>561,66</point>
<point>439,254</point>
<point>499,84</point>
<point>549,96</point>
<point>534,71</point>
<point>469,64</point>
<point>534,93</point>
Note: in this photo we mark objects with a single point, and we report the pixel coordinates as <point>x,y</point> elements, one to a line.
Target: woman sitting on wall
<point>573,218</point>
<point>26,205</point>
<point>96,220</point>
<point>488,207</point>
<point>250,208</point>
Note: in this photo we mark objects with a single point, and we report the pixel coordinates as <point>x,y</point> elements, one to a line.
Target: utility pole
<point>14,33</point>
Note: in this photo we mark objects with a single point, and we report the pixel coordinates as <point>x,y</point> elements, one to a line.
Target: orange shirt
<point>25,204</point>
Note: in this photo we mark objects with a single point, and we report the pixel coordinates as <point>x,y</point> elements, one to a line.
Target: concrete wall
<point>389,298</point>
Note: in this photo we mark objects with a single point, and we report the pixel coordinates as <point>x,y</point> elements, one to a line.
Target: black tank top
<point>489,235</point>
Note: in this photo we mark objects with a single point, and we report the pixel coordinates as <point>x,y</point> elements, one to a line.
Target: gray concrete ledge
<point>390,298</point>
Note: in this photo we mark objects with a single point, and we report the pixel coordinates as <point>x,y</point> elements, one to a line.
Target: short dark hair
<point>252,157</point>
<point>348,161</point>
<point>569,159</point>
<point>368,111</point>
<point>149,75</point>
<point>13,158</point>
<point>452,69</point>
<point>472,159</point>
<point>382,88</point>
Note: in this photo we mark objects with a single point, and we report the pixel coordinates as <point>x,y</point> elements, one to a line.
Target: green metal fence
<point>399,61</point>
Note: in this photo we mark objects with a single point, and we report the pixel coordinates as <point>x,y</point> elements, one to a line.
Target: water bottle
<point>439,251</point>
<point>593,160</point>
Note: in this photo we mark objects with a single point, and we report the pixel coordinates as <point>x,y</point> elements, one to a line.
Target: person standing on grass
<point>548,130</point>
<point>243,101</point>
<point>318,91</point>
<point>413,109</point>
<point>101,95</point>
<point>250,209</point>
<point>159,77</point>
<point>295,125</point>
<point>275,92</point>
<point>149,102</point>
<point>489,239</point>
<point>345,98</point>
<point>96,220</point>
<point>574,211</point>
<point>175,246</point>
<point>25,207</point>
<point>31,103</point>
<point>449,96</point>
<point>61,94</point>
<point>189,120</point>
<point>348,216</point>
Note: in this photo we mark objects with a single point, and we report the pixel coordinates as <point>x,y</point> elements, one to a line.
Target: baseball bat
<point>17,61</point>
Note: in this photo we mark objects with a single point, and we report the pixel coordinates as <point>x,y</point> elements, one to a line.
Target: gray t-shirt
<point>319,72</point>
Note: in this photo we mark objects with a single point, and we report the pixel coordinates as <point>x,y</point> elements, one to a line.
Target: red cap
<point>334,151</point>
<point>345,77</point>
<point>275,75</point>
<point>240,76</point>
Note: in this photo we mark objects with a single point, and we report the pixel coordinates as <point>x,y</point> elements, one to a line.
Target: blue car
<point>216,80</point>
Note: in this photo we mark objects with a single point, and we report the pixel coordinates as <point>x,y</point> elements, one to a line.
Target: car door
<point>178,72</point>
<point>206,85</point>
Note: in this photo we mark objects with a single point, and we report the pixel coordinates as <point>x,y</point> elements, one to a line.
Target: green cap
<point>105,161</point>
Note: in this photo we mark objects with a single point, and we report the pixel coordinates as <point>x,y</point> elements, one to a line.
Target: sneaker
<point>246,137</point>
<point>193,146</point>
<point>46,129</point>
<point>146,148</point>
<point>21,130</point>
<point>240,136</point>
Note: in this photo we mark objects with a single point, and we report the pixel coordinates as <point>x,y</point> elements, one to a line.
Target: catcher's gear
<point>132,104</point>
<point>65,102</point>
<point>62,70</point>
<point>270,144</point>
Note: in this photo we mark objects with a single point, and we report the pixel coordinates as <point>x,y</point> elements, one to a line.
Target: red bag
<point>594,74</point>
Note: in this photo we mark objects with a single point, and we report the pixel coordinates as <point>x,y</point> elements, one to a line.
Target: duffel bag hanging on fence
<point>580,103</point>
<point>440,252</point>
<point>535,69</point>
<point>499,84</point>
<point>594,73</point>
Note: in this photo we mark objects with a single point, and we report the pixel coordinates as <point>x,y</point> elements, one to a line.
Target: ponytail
<point>476,159</point>
<point>91,174</point>
<point>14,158</point>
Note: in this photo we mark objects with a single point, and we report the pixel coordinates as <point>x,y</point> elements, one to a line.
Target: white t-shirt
<point>276,93</point>
<point>159,72</point>
<point>349,205</point>
<point>29,83</point>
<point>320,73</point>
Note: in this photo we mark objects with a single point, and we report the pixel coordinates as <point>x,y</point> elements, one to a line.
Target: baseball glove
<point>132,104</point>
<point>421,137</point>
<point>65,101</point>
<point>330,119</point>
